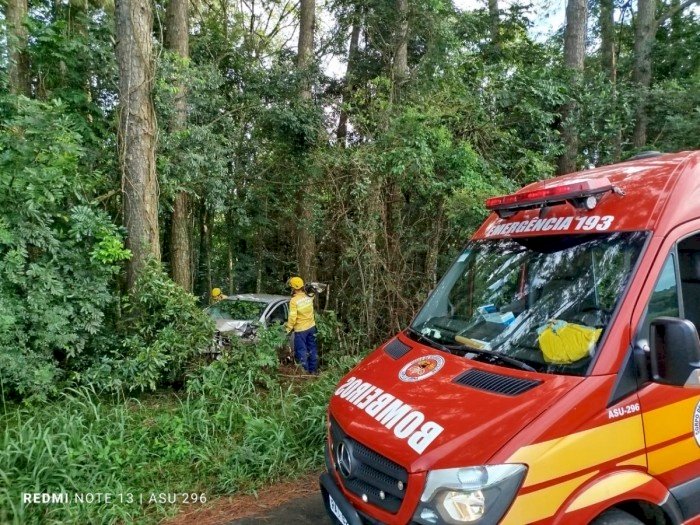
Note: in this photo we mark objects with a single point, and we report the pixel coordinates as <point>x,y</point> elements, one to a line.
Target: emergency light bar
<point>583,194</point>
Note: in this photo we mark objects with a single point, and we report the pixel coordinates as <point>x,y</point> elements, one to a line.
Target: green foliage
<point>161,329</point>
<point>675,110</point>
<point>70,44</point>
<point>389,206</point>
<point>239,309</point>
<point>329,330</point>
<point>244,363</point>
<point>58,255</point>
<point>228,433</point>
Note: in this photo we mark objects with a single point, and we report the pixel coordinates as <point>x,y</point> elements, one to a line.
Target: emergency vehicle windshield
<point>538,303</point>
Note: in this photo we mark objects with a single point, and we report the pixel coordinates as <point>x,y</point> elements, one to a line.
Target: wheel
<point>616,517</point>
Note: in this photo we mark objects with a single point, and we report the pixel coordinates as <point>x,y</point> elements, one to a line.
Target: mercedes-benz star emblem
<point>343,457</point>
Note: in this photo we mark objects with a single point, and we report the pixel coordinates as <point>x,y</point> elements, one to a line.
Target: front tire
<point>616,517</point>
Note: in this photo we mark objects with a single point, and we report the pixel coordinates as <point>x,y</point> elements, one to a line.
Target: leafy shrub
<point>161,329</point>
<point>329,329</point>
<point>59,254</point>
<point>278,432</point>
<point>227,434</point>
<point>240,368</point>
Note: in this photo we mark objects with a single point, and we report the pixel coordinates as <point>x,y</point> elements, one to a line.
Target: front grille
<point>373,478</point>
<point>500,384</point>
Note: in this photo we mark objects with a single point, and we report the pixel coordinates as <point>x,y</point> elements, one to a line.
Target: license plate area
<point>336,512</point>
<point>339,509</point>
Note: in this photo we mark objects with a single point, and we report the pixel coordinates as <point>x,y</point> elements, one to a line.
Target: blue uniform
<point>305,351</point>
<point>301,321</point>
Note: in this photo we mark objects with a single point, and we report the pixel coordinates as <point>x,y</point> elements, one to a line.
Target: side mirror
<point>675,352</point>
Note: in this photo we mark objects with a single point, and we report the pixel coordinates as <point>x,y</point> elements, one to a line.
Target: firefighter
<point>217,296</point>
<point>301,321</point>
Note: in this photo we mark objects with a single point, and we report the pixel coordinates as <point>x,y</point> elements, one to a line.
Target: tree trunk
<point>205,249</point>
<point>607,39</point>
<point>231,251</point>
<point>177,41</point>
<point>574,54</point>
<point>18,67</point>
<point>676,20</point>
<point>433,250</point>
<point>372,214</point>
<point>181,241</point>
<point>644,33</point>
<point>349,81</point>
<point>258,247</point>
<point>608,59</point>
<point>137,132</point>
<point>494,22</point>
<point>305,49</point>
<point>394,262</point>
<point>400,65</point>
<point>306,239</point>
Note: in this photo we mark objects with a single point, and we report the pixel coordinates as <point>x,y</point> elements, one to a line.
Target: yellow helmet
<point>296,283</point>
<point>216,292</point>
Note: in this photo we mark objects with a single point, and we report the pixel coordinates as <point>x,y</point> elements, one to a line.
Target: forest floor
<point>295,502</point>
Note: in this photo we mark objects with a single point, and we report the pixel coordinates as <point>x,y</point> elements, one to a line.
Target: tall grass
<point>227,433</point>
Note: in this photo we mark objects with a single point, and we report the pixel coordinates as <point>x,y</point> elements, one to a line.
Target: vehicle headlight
<point>467,495</point>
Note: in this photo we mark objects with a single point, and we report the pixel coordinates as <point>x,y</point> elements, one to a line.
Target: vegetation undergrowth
<point>235,426</point>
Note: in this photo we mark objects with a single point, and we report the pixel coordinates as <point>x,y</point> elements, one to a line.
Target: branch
<point>673,10</point>
<point>108,195</point>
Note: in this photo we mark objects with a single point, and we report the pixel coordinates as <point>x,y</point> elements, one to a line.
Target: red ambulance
<point>553,376</point>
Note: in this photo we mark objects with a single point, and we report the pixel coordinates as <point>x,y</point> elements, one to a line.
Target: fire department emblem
<point>696,424</point>
<point>421,368</point>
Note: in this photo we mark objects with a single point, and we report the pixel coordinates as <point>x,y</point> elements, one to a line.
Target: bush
<point>229,433</point>
<point>161,330</point>
<point>241,368</point>
<point>59,254</point>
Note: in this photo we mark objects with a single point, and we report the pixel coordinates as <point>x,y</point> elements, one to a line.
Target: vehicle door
<point>277,314</point>
<point>670,413</point>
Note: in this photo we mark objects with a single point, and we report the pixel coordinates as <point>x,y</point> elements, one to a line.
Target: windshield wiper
<point>428,340</point>
<point>505,358</point>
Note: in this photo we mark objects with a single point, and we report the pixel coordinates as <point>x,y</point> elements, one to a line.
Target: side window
<point>278,315</point>
<point>664,299</point>
<point>689,270</point>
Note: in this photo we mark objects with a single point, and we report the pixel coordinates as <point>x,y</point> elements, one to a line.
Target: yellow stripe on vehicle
<point>608,488</point>
<point>543,503</point>
<point>669,422</point>
<point>579,451</point>
<point>636,461</point>
<point>673,456</point>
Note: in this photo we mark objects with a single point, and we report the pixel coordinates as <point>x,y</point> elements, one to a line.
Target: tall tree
<point>608,59</point>
<point>644,35</point>
<point>305,48</point>
<point>16,13</point>
<point>574,55</point>
<point>349,74</point>
<point>137,132</point>
<point>177,40</point>
<point>607,39</point>
<point>306,239</point>
<point>393,198</point>
<point>494,22</point>
<point>400,63</point>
